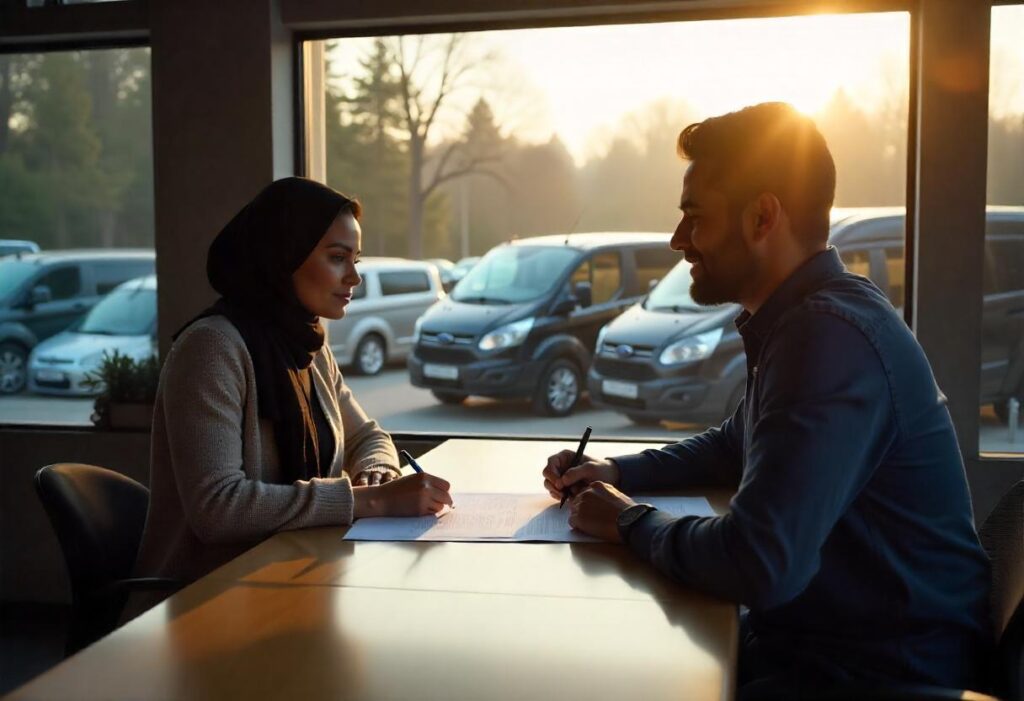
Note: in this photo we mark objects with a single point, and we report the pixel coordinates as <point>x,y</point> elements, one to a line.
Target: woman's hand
<point>559,475</point>
<point>413,495</point>
<point>373,478</point>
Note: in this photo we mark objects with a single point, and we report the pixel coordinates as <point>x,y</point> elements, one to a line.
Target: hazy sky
<point>582,82</point>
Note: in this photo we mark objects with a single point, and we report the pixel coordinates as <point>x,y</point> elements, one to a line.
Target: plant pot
<point>130,416</point>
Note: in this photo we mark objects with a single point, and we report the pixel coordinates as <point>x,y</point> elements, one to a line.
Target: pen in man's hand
<point>575,462</point>
<point>409,459</point>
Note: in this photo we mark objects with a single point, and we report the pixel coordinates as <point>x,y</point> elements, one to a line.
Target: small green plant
<point>123,380</point>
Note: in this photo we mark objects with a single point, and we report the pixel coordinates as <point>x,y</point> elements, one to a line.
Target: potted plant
<point>128,389</point>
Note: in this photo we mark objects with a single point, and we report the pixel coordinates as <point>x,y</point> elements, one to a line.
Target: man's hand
<point>596,509</point>
<point>558,474</point>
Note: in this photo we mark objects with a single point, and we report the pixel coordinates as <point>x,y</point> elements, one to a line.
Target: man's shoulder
<point>846,300</point>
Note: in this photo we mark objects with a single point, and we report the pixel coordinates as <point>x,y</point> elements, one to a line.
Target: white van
<point>379,324</point>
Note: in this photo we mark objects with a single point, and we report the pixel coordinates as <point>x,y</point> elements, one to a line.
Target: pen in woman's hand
<point>409,459</point>
<point>575,461</point>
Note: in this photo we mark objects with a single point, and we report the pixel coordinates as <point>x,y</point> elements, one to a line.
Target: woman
<point>254,429</point>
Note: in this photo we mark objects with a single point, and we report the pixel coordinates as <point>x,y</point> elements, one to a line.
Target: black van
<point>523,322</point>
<point>670,358</point>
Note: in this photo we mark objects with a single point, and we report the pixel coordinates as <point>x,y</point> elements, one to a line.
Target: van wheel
<point>643,420</point>
<point>369,358</point>
<point>13,368</point>
<point>559,389</point>
<point>448,397</point>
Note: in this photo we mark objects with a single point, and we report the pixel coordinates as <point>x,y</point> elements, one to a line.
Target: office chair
<point>98,516</point>
<point>1002,536</point>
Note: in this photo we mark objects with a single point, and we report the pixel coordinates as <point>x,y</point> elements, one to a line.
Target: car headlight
<point>92,361</point>
<point>691,348</point>
<point>507,336</point>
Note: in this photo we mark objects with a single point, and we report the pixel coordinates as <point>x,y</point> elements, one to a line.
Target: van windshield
<point>514,274</point>
<point>672,294</point>
<point>127,311</point>
<point>13,273</point>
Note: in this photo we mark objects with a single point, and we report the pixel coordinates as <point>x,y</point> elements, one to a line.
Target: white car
<point>124,320</point>
<point>380,323</point>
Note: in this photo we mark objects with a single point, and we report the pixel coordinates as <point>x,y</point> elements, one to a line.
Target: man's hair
<point>767,148</point>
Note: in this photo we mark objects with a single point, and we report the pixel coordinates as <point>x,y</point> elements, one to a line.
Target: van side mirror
<point>40,294</point>
<point>564,305</point>
<point>583,294</point>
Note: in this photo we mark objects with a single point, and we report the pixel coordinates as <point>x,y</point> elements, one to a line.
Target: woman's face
<point>324,281</point>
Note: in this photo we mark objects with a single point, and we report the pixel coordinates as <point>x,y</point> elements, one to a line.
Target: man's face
<point>711,239</point>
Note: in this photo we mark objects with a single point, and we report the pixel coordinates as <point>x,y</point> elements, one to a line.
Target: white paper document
<point>503,517</point>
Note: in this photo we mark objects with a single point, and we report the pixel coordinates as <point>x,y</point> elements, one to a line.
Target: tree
<point>430,70</point>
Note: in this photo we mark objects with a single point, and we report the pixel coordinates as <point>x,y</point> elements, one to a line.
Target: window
<point>403,282</point>
<point>607,277</point>
<point>896,274</point>
<point>857,262</point>
<point>110,275</point>
<point>507,144</point>
<point>652,265</point>
<point>1002,334</point>
<point>76,172</point>
<point>62,283</point>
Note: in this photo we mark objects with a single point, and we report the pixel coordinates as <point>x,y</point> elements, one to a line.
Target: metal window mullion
<point>952,65</point>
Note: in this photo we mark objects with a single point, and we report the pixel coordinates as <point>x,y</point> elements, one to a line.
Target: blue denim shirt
<point>851,535</point>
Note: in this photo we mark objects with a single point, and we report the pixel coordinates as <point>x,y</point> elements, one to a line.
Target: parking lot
<point>400,408</point>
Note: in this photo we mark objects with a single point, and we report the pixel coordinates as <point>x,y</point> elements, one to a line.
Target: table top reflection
<point>308,615</point>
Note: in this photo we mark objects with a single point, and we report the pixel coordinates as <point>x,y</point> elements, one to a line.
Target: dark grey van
<point>42,294</point>
<point>670,358</point>
<point>523,322</point>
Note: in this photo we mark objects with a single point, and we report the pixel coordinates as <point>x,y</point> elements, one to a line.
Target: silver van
<point>379,324</point>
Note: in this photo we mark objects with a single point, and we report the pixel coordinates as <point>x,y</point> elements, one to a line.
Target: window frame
<point>127,23</point>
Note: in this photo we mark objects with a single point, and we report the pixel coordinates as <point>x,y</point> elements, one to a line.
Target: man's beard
<point>733,269</point>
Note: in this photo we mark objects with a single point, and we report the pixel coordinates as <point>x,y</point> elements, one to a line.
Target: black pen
<point>409,459</point>
<point>575,462</point>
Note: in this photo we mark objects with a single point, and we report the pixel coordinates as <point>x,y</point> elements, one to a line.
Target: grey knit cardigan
<point>214,464</point>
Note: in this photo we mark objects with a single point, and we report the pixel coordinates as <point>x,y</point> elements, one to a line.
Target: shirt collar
<point>805,279</point>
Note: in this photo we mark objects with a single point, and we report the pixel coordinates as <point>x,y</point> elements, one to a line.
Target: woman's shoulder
<point>210,338</point>
<point>209,328</point>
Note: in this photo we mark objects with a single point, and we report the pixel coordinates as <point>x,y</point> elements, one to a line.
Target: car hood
<point>642,327</point>
<point>71,346</point>
<point>466,319</point>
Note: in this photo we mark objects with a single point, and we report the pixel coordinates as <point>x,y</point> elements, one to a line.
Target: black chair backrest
<point>98,516</point>
<point>1002,536</point>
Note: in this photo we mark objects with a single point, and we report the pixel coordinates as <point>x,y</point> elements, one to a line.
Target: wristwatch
<point>629,517</point>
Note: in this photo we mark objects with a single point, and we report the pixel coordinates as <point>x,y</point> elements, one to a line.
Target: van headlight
<point>506,336</point>
<point>691,348</point>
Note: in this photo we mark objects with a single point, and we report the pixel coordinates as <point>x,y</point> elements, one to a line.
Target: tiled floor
<point>31,641</point>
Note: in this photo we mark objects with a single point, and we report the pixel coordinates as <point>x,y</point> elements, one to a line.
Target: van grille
<point>612,349</point>
<point>444,354</point>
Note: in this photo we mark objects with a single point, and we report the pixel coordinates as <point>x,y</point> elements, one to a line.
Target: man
<point>850,536</point>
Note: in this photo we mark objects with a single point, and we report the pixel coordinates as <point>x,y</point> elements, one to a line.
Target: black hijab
<point>250,264</point>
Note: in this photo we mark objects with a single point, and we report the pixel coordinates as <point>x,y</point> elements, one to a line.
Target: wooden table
<point>306,615</point>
